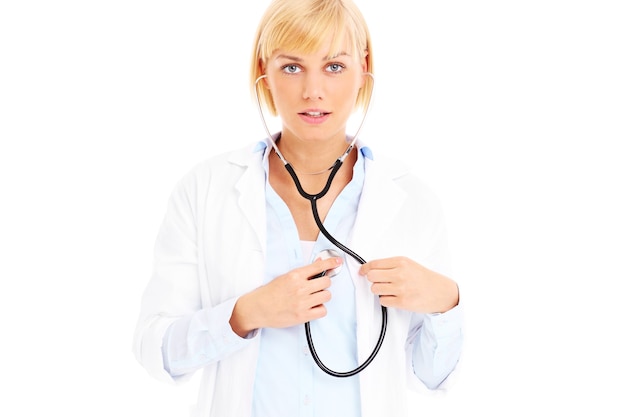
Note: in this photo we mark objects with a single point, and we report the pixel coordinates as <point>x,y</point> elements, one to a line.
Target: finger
<point>386,263</point>
<point>380,275</point>
<point>320,297</point>
<point>320,266</point>
<point>317,312</point>
<point>317,285</point>
<point>383,289</point>
<point>389,301</point>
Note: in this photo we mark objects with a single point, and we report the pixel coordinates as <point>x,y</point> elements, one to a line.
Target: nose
<point>313,88</point>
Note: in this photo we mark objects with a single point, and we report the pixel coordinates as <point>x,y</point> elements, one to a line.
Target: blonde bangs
<point>307,34</point>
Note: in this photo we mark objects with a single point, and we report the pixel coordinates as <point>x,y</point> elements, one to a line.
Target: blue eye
<point>291,69</point>
<point>335,68</point>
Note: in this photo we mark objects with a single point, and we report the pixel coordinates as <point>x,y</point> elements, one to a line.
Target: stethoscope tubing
<point>360,260</point>
<point>313,199</point>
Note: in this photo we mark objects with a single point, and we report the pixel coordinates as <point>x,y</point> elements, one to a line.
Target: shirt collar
<point>263,145</point>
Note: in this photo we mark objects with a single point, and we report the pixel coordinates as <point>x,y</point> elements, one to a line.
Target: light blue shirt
<point>288,382</point>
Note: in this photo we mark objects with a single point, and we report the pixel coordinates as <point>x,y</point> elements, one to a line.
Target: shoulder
<point>401,175</point>
<point>219,172</point>
<point>242,157</point>
<point>224,163</point>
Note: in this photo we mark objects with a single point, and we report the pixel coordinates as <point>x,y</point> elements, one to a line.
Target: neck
<point>311,157</point>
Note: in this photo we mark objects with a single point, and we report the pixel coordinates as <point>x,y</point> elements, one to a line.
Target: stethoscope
<point>329,252</point>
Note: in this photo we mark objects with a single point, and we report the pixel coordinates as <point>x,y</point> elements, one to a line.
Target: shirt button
<point>307,400</point>
<point>305,351</point>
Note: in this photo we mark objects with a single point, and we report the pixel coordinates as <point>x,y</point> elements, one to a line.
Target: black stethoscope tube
<point>313,199</point>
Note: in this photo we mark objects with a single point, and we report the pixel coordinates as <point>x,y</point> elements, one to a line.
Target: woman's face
<point>314,94</point>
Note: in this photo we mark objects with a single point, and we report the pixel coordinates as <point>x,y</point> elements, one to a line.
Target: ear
<point>364,67</point>
<point>262,69</point>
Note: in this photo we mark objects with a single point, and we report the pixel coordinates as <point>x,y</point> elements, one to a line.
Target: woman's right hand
<point>288,300</point>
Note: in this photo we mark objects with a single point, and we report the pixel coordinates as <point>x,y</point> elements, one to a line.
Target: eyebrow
<point>297,59</point>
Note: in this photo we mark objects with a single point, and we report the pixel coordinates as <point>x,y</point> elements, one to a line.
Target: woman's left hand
<point>403,283</point>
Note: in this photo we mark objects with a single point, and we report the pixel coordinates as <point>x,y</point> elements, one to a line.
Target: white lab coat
<point>211,249</point>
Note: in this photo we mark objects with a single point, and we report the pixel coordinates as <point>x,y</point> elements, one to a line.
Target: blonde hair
<point>303,25</point>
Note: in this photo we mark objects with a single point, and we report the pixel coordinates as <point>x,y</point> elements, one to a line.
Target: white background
<point>512,111</point>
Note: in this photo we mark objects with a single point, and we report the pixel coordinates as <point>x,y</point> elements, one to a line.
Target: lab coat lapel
<point>381,199</point>
<point>251,190</point>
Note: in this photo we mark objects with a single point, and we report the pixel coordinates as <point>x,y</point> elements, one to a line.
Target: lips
<point>314,116</point>
<point>314,113</point>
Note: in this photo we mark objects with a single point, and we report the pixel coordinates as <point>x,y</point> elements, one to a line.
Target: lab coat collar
<point>381,197</point>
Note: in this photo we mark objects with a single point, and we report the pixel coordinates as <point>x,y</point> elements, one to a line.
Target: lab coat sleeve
<point>436,348</point>
<point>435,340</point>
<point>173,319</point>
<point>202,338</point>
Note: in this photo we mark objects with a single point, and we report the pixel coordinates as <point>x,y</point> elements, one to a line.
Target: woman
<point>235,256</point>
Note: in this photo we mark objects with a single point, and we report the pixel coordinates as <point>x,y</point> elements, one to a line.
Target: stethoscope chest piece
<point>326,254</point>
